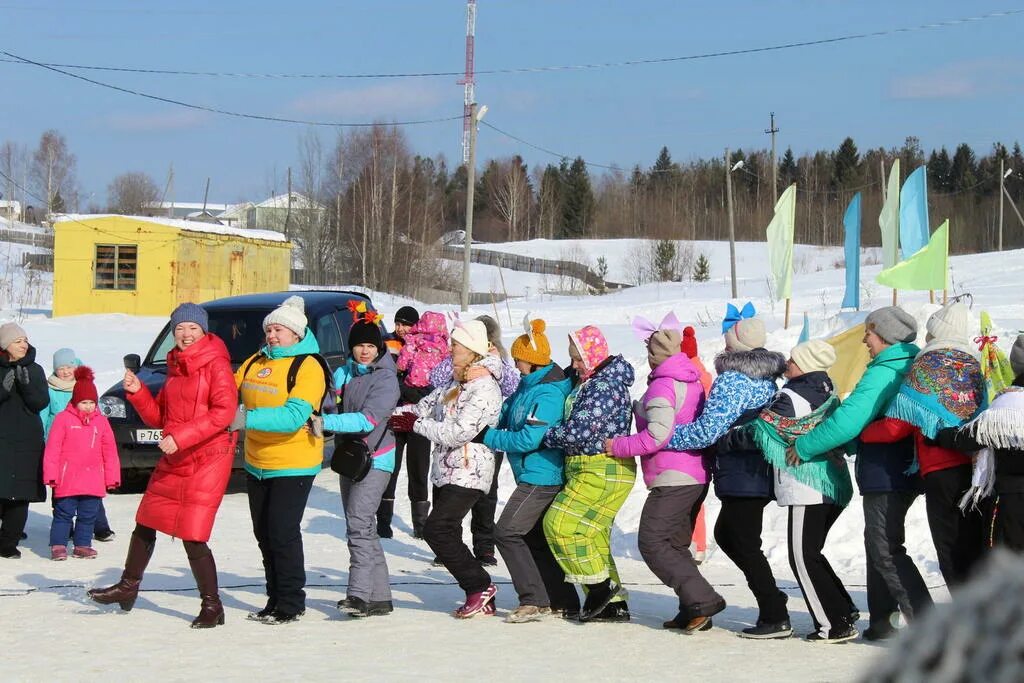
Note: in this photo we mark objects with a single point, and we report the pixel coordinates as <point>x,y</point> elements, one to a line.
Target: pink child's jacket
<point>656,419</point>
<point>81,455</point>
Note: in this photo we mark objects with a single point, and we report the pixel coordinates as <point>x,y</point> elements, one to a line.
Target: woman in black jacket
<point>23,394</point>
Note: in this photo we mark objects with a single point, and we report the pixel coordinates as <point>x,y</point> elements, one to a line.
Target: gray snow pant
<point>519,535</point>
<point>368,569</point>
<point>894,583</point>
<point>666,529</point>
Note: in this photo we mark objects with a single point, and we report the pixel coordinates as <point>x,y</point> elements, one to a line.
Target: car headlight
<point>112,406</point>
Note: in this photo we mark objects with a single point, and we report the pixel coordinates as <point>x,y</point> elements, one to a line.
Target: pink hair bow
<point>644,328</point>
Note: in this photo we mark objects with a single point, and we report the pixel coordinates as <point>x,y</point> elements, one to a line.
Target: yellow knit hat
<point>532,347</point>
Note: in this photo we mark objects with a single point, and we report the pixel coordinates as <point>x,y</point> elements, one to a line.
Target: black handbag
<point>352,457</point>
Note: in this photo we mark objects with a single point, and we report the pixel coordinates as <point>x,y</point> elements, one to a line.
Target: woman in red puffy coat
<point>195,407</point>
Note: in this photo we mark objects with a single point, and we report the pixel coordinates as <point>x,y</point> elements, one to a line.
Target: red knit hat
<point>689,343</point>
<point>84,389</point>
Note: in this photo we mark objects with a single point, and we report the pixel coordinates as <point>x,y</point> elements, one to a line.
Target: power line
<point>543,69</point>
<point>214,110</point>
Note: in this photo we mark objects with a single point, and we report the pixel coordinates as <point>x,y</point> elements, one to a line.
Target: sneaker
<point>489,610</point>
<point>261,615</point>
<point>701,623</point>
<point>876,632</point>
<point>567,613</point>
<point>104,536</point>
<point>615,612</point>
<point>475,602</point>
<point>58,553</point>
<point>277,617</point>
<point>840,634</point>
<point>10,553</point>
<point>765,630</point>
<point>487,560</point>
<point>525,613</point>
<point>599,595</point>
<point>83,552</point>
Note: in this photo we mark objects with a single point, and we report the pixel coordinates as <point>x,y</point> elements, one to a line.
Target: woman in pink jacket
<point>80,464</point>
<point>677,480</point>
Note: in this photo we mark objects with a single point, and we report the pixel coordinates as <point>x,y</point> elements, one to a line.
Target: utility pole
<point>1002,178</point>
<point>772,130</point>
<point>206,195</point>
<point>288,211</point>
<point>470,191</point>
<point>732,227</point>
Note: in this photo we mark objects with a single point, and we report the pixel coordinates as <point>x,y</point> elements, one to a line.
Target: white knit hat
<point>473,335</point>
<point>290,314</point>
<point>814,356</point>
<point>951,322</point>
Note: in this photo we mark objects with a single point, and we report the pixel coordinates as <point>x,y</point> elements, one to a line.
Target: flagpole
<point>785,324</point>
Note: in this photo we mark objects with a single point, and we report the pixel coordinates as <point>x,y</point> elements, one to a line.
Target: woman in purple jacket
<point>678,480</point>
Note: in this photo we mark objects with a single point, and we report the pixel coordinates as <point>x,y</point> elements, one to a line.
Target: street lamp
<point>476,115</point>
<point>732,229</point>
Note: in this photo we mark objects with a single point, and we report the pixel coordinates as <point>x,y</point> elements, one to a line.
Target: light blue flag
<point>851,223</point>
<point>914,231</point>
<point>805,334</point>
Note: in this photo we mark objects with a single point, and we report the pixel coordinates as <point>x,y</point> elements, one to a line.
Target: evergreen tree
<point>910,155</point>
<point>788,170</point>
<point>963,173</point>
<point>578,200</point>
<point>845,164</point>
<point>665,260</point>
<point>702,269</point>
<point>939,167</point>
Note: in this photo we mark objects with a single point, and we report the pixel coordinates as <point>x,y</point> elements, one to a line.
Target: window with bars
<point>116,265</point>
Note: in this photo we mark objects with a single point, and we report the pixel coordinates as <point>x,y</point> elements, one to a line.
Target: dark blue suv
<point>238,320</point>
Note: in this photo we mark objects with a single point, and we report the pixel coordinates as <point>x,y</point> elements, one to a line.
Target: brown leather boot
<point>212,611</point>
<point>125,591</point>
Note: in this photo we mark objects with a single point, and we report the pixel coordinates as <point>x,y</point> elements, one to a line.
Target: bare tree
<point>53,172</point>
<point>129,193</point>
<point>510,196</point>
<point>14,165</point>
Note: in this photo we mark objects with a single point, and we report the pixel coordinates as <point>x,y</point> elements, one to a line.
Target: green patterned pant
<point>579,522</point>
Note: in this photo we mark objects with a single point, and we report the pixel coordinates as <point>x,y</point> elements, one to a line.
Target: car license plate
<point>148,435</point>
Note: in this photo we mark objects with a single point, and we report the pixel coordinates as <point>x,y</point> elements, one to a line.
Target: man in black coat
<point>23,394</point>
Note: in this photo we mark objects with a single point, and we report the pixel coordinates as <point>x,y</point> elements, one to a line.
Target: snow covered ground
<point>45,601</point>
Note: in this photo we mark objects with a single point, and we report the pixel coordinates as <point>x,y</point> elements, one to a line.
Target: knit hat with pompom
<point>532,347</point>
<point>290,314</point>
<point>689,343</point>
<point>85,389</point>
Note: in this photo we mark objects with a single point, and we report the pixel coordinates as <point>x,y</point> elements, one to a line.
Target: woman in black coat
<point>23,395</point>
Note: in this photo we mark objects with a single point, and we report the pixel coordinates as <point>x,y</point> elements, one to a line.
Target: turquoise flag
<point>805,334</point>
<point>851,223</point>
<point>914,230</point>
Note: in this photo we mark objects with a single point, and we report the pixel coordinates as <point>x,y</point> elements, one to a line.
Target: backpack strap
<point>293,374</point>
<point>248,365</point>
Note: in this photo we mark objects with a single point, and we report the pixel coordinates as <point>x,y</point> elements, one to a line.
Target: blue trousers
<point>78,510</point>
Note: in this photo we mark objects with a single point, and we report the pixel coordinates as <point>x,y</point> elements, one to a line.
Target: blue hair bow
<point>734,315</point>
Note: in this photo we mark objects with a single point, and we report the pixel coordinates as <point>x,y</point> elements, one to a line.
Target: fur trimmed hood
<point>756,364</point>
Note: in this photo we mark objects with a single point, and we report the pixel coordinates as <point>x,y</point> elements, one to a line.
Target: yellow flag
<point>780,243</point>
<point>889,219</point>
<point>851,359</point>
<point>928,269</point>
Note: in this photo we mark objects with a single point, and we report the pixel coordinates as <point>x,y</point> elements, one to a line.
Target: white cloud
<point>960,80</point>
<point>176,119</point>
<point>385,100</point>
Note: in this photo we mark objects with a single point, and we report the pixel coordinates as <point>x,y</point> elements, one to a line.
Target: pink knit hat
<point>592,347</point>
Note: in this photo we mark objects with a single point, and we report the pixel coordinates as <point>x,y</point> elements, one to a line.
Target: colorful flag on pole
<point>926,270</point>
<point>851,224</point>
<point>995,366</point>
<point>889,219</point>
<point>805,333</point>
<point>914,228</point>
<point>780,243</point>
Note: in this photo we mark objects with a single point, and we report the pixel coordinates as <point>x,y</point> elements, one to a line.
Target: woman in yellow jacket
<point>282,456</point>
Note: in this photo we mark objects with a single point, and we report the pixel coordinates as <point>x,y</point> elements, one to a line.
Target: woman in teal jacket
<point>536,406</point>
<point>893,582</point>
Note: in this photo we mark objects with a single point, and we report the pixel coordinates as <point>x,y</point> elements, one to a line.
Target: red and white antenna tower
<point>469,80</point>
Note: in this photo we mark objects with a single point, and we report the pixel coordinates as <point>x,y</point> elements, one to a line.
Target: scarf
<point>1002,424</point>
<point>995,366</point>
<point>60,384</point>
<point>774,434</point>
<point>944,388</point>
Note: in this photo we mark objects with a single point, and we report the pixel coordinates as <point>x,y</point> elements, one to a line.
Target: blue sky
<point>950,85</point>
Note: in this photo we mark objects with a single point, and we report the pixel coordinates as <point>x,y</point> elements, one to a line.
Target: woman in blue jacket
<point>536,405</point>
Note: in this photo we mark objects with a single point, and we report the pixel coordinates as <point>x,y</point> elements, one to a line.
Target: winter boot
<point>385,511</point>
<point>212,611</point>
<point>125,591</point>
<point>598,597</point>
<point>420,510</point>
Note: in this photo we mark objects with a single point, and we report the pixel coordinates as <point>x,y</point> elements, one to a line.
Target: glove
<point>8,383</point>
<point>238,422</point>
<point>479,438</point>
<point>402,422</point>
<point>21,374</point>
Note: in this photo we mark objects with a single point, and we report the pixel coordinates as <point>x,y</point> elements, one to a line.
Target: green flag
<point>926,270</point>
<point>889,219</point>
<point>780,243</point>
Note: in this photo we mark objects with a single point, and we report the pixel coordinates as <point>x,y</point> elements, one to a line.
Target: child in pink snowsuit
<point>80,464</point>
<point>426,345</point>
